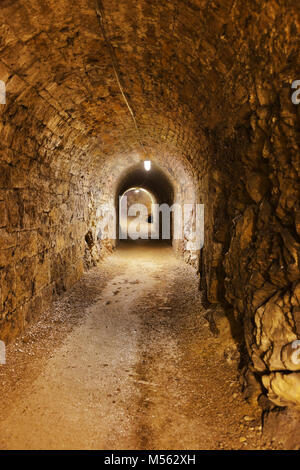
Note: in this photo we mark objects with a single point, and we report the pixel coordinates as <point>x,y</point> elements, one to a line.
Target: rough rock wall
<point>251,257</point>
<point>262,261</point>
<point>42,227</point>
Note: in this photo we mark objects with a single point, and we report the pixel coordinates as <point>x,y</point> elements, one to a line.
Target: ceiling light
<point>147,165</point>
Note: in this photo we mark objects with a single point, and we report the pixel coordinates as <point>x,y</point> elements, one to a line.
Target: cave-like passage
<point>207,92</point>
<point>132,362</point>
<point>141,196</point>
<point>136,216</point>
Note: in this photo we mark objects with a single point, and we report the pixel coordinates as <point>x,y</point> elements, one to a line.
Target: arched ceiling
<point>185,66</point>
<point>154,181</point>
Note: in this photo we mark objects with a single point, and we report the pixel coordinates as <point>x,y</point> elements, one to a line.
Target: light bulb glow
<point>147,165</point>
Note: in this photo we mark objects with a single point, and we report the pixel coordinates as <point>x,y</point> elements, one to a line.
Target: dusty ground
<point>127,360</point>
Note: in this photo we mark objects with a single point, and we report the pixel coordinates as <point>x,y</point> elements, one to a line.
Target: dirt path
<point>126,360</point>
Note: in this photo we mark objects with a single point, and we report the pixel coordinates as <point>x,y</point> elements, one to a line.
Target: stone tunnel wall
<point>43,221</point>
<point>104,194</point>
<point>251,257</point>
<point>261,265</point>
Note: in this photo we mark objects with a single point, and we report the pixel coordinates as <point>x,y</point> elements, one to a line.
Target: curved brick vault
<point>210,86</point>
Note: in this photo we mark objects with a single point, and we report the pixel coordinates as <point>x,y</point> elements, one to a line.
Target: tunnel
<point>206,92</point>
<point>150,184</point>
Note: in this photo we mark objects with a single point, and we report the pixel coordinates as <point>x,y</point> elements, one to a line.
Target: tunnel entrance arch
<point>136,206</point>
<point>172,182</point>
<point>156,184</point>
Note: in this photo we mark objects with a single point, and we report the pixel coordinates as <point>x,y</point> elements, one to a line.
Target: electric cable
<point>102,21</point>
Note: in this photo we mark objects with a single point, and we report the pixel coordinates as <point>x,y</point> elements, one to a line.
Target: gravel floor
<point>127,360</point>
